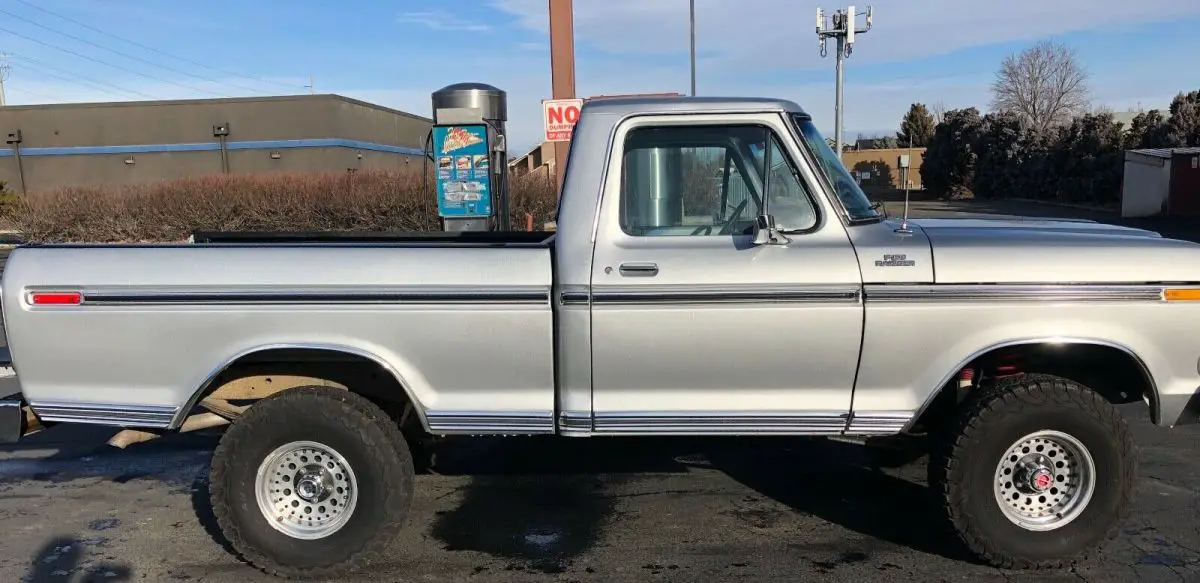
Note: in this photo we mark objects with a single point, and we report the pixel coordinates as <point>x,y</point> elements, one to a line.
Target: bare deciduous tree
<point>1045,85</point>
<point>939,112</point>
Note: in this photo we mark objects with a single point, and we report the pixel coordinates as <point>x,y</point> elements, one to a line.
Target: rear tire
<point>330,469</point>
<point>1038,471</point>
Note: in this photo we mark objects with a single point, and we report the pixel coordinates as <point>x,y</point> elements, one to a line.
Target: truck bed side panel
<point>467,331</point>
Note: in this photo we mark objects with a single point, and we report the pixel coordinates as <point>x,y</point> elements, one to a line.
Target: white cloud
<point>738,41</point>
<point>779,32</point>
<point>440,20</point>
<point>30,86</point>
<point>871,106</point>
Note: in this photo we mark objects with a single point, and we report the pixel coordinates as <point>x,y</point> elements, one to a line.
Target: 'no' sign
<point>559,117</point>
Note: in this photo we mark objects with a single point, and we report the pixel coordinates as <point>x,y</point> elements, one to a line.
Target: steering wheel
<point>707,230</point>
<point>737,212</point>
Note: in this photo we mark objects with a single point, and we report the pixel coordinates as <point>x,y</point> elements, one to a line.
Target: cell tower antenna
<point>841,26</point>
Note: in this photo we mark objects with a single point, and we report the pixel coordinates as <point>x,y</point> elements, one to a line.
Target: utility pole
<point>692,12</point>
<point>842,27</point>
<point>562,68</point>
<point>5,71</point>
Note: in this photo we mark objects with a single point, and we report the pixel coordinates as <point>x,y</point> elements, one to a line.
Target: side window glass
<point>788,198</point>
<point>690,181</point>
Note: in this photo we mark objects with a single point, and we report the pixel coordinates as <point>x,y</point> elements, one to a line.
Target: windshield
<point>858,206</point>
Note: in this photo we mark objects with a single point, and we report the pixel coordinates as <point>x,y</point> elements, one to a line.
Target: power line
<point>24,91</point>
<point>116,52</point>
<point>158,51</point>
<point>74,82</point>
<point>47,70</point>
<point>105,63</point>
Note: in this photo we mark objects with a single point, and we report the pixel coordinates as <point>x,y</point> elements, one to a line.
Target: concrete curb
<point>1083,207</point>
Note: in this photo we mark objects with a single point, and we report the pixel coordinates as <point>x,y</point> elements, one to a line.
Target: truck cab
<point>706,260</point>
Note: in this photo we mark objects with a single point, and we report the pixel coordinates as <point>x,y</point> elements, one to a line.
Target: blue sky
<point>395,53</point>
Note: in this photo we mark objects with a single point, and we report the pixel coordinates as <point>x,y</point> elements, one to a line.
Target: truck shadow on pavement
<point>535,504</point>
<point>64,560</point>
<point>834,482</point>
<point>541,502</point>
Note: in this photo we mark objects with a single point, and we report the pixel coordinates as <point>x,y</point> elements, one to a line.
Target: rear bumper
<point>16,419</point>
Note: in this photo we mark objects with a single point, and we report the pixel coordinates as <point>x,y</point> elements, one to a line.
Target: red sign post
<point>559,117</point>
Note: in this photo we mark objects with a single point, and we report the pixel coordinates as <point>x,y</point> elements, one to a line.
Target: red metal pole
<point>562,68</point>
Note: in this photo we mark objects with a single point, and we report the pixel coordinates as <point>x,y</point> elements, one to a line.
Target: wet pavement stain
<point>1161,559</point>
<point>544,521</point>
<point>104,523</point>
<point>846,559</point>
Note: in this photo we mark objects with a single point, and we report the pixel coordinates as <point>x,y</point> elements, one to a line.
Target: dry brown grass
<point>172,210</point>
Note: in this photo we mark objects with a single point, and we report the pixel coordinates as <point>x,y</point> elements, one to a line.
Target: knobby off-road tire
<point>1023,418</point>
<point>314,435</point>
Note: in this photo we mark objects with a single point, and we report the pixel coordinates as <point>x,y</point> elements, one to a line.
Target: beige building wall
<point>884,167</point>
<point>133,142</point>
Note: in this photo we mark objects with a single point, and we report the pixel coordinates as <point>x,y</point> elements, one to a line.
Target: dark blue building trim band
<point>214,146</point>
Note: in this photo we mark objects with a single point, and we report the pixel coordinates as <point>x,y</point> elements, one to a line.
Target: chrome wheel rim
<point>306,490</point>
<point>1045,480</point>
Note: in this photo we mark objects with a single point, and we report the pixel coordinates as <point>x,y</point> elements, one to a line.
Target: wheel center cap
<point>313,484</point>
<point>309,488</point>
<point>1041,480</point>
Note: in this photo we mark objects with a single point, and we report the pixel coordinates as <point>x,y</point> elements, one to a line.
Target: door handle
<point>639,269</point>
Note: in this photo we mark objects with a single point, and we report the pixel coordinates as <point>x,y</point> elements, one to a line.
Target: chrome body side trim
<point>575,422</point>
<point>574,295</point>
<point>727,423</point>
<point>919,293</point>
<point>878,422</point>
<point>665,294</point>
<point>254,295</point>
<point>488,422</point>
<point>105,414</point>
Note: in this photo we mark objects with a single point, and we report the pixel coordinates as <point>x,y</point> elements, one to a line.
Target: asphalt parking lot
<point>503,510</point>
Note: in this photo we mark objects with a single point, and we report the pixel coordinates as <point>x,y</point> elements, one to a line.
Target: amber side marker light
<point>1182,295</point>
<point>55,298</point>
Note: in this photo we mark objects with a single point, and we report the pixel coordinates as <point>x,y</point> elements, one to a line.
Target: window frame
<point>796,173</point>
<point>827,184</point>
<point>759,182</point>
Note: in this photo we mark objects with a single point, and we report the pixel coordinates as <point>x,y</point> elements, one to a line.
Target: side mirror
<point>765,232</point>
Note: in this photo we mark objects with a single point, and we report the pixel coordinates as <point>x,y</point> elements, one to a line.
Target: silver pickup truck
<point>715,271</point>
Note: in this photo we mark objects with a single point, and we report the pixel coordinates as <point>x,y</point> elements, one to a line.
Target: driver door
<point>696,330</point>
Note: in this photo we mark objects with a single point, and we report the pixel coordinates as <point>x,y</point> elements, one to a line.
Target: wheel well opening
<point>264,373</point>
<point>1112,372</point>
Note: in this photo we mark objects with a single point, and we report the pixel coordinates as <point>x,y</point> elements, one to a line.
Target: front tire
<point>1039,471</point>
<point>313,482</point>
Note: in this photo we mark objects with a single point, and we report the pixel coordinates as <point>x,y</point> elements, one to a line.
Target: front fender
<point>911,350</point>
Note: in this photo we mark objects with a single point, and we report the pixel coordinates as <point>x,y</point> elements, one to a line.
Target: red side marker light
<point>56,298</point>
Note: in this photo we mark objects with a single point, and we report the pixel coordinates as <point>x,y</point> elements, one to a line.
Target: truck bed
<point>455,317</point>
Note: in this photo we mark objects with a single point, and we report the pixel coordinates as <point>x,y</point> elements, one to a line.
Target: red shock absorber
<point>966,377</point>
<point>1008,366</point>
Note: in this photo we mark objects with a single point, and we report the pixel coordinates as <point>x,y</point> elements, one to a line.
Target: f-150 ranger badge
<point>900,260</point>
